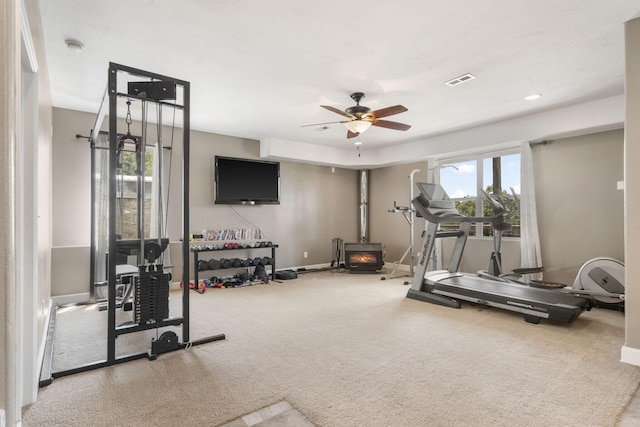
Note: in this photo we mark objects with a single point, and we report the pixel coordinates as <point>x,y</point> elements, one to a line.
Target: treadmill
<point>448,287</point>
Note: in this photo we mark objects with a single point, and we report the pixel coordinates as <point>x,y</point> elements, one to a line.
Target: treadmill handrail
<point>439,215</point>
<point>434,204</point>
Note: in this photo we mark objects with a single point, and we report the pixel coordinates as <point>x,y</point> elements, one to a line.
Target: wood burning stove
<point>363,257</point>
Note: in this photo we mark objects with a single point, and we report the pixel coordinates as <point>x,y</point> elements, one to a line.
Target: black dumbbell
<point>214,264</point>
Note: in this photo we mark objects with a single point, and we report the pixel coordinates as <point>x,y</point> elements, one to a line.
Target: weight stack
<point>151,294</point>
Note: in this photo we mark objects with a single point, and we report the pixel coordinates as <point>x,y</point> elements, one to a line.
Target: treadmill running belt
<point>543,303</point>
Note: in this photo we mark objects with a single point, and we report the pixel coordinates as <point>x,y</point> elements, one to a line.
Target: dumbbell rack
<point>197,251</point>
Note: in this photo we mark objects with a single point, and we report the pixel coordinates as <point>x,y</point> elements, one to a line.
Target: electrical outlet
<point>305,254</point>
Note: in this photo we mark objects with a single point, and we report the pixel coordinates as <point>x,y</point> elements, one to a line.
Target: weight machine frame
<point>409,214</point>
<point>109,101</point>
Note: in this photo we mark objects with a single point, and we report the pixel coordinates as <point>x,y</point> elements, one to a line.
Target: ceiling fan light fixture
<point>358,126</point>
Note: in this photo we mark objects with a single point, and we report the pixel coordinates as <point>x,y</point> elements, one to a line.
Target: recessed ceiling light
<point>357,143</point>
<point>74,44</point>
<point>532,97</point>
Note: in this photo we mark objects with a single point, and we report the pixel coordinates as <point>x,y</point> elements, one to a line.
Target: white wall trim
<point>30,49</point>
<point>43,341</point>
<point>70,299</point>
<point>630,355</point>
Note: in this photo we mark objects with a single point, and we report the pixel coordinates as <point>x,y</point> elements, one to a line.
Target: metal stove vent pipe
<point>363,197</point>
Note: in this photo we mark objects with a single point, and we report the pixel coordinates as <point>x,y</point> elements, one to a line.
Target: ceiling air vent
<point>463,78</point>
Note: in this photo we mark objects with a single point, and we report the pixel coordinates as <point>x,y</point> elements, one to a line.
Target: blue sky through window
<point>460,181</point>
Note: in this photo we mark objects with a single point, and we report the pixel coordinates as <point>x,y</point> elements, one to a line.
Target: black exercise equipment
<point>151,281</point>
<point>599,279</point>
<point>286,275</point>
<point>447,287</point>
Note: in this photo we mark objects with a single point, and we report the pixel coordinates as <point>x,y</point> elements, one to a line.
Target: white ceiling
<point>261,69</point>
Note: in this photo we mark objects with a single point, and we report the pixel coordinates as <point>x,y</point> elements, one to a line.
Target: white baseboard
<point>401,267</point>
<point>630,355</point>
<point>71,298</point>
<point>306,267</point>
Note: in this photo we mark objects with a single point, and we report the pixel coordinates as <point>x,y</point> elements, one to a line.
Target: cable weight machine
<point>149,283</point>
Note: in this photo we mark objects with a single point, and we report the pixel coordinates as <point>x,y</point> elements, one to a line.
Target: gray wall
<point>580,210</point>
<point>632,192</point>
<point>389,185</point>
<point>317,202</point>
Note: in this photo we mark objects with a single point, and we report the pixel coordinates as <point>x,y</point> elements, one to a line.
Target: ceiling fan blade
<point>335,110</point>
<point>327,123</point>
<point>390,111</point>
<point>352,134</point>
<point>391,125</point>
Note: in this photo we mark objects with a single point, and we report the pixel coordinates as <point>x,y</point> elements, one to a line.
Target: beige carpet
<point>351,350</point>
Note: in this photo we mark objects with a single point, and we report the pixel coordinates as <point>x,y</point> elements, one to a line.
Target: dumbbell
<point>236,262</point>
<point>203,265</point>
<point>257,261</point>
<point>247,262</point>
<point>214,264</point>
<point>225,263</point>
<point>264,261</point>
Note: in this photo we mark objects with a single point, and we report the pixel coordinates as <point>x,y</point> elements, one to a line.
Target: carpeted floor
<point>351,350</point>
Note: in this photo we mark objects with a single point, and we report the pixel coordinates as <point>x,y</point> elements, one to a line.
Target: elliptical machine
<point>600,279</point>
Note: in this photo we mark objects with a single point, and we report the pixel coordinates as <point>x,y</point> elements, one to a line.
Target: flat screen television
<point>246,182</point>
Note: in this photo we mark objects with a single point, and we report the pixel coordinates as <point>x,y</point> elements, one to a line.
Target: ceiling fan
<point>361,117</point>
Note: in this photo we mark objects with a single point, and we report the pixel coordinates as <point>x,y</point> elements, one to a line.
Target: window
<point>127,189</point>
<point>462,179</point>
